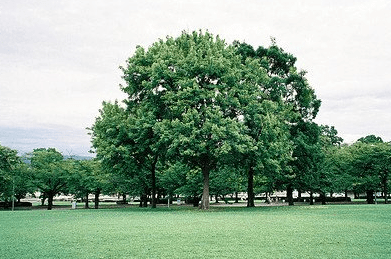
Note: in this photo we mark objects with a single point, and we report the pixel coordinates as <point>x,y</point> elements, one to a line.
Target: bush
<point>8,204</point>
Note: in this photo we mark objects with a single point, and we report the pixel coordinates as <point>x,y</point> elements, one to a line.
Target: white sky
<point>59,59</point>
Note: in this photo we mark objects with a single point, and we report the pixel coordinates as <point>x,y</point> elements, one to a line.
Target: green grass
<point>333,231</point>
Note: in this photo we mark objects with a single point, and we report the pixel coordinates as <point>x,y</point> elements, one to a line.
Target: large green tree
<point>189,87</point>
<point>50,172</point>
<point>298,104</point>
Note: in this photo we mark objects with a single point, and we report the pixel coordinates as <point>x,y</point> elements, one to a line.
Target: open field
<point>332,231</point>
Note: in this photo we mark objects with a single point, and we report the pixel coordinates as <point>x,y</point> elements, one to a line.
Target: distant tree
<point>332,178</point>
<point>50,172</point>
<point>89,178</point>
<point>23,181</point>
<point>370,139</point>
<point>123,142</point>
<point>223,181</point>
<point>9,161</point>
<point>371,165</point>
<point>309,159</point>
<point>192,186</point>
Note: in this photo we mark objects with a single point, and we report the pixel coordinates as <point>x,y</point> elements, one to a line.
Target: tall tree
<point>190,86</point>
<point>289,88</point>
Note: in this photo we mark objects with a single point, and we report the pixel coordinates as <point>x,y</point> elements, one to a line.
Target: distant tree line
<point>204,118</point>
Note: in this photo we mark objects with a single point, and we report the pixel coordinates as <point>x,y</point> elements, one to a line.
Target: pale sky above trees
<point>59,59</point>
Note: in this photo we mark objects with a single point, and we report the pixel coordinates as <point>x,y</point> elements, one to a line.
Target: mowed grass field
<point>331,231</point>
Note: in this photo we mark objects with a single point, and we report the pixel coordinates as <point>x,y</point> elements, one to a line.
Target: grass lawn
<point>332,231</point>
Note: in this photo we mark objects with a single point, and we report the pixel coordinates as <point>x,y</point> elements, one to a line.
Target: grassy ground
<point>332,231</point>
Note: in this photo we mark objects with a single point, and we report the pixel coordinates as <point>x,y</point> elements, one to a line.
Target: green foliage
<point>286,100</point>
<point>88,177</point>
<point>9,172</point>
<point>50,172</point>
<point>329,136</point>
<point>370,139</point>
<point>371,165</point>
<point>309,158</point>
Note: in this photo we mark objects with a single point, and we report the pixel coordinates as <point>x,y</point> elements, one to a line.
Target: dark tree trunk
<point>289,194</point>
<point>86,205</point>
<point>217,199</point>
<point>145,200</point>
<point>153,172</point>
<point>250,188</point>
<point>124,198</point>
<point>96,199</point>
<point>236,197</point>
<point>141,200</point>
<point>346,195</point>
<point>370,199</point>
<point>323,198</point>
<point>50,201</point>
<point>205,193</point>
<point>44,196</point>
<point>311,198</point>
<point>385,188</point>
<point>196,200</point>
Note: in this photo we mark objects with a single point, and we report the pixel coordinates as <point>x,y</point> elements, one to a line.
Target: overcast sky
<point>59,59</point>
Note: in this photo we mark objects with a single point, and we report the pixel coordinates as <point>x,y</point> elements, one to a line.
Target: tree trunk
<point>96,200</point>
<point>43,199</point>
<point>141,200</point>
<point>311,198</point>
<point>50,201</point>
<point>86,205</point>
<point>250,188</point>
<point>196,200</point>
<point>236,197</point>
<point>370,199</point>
<point>153,172</point>
<point>289,194</point>
<point>205,192</point>
<point>323,198</point>
<point>385,188</point>
<point>145,200</point>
